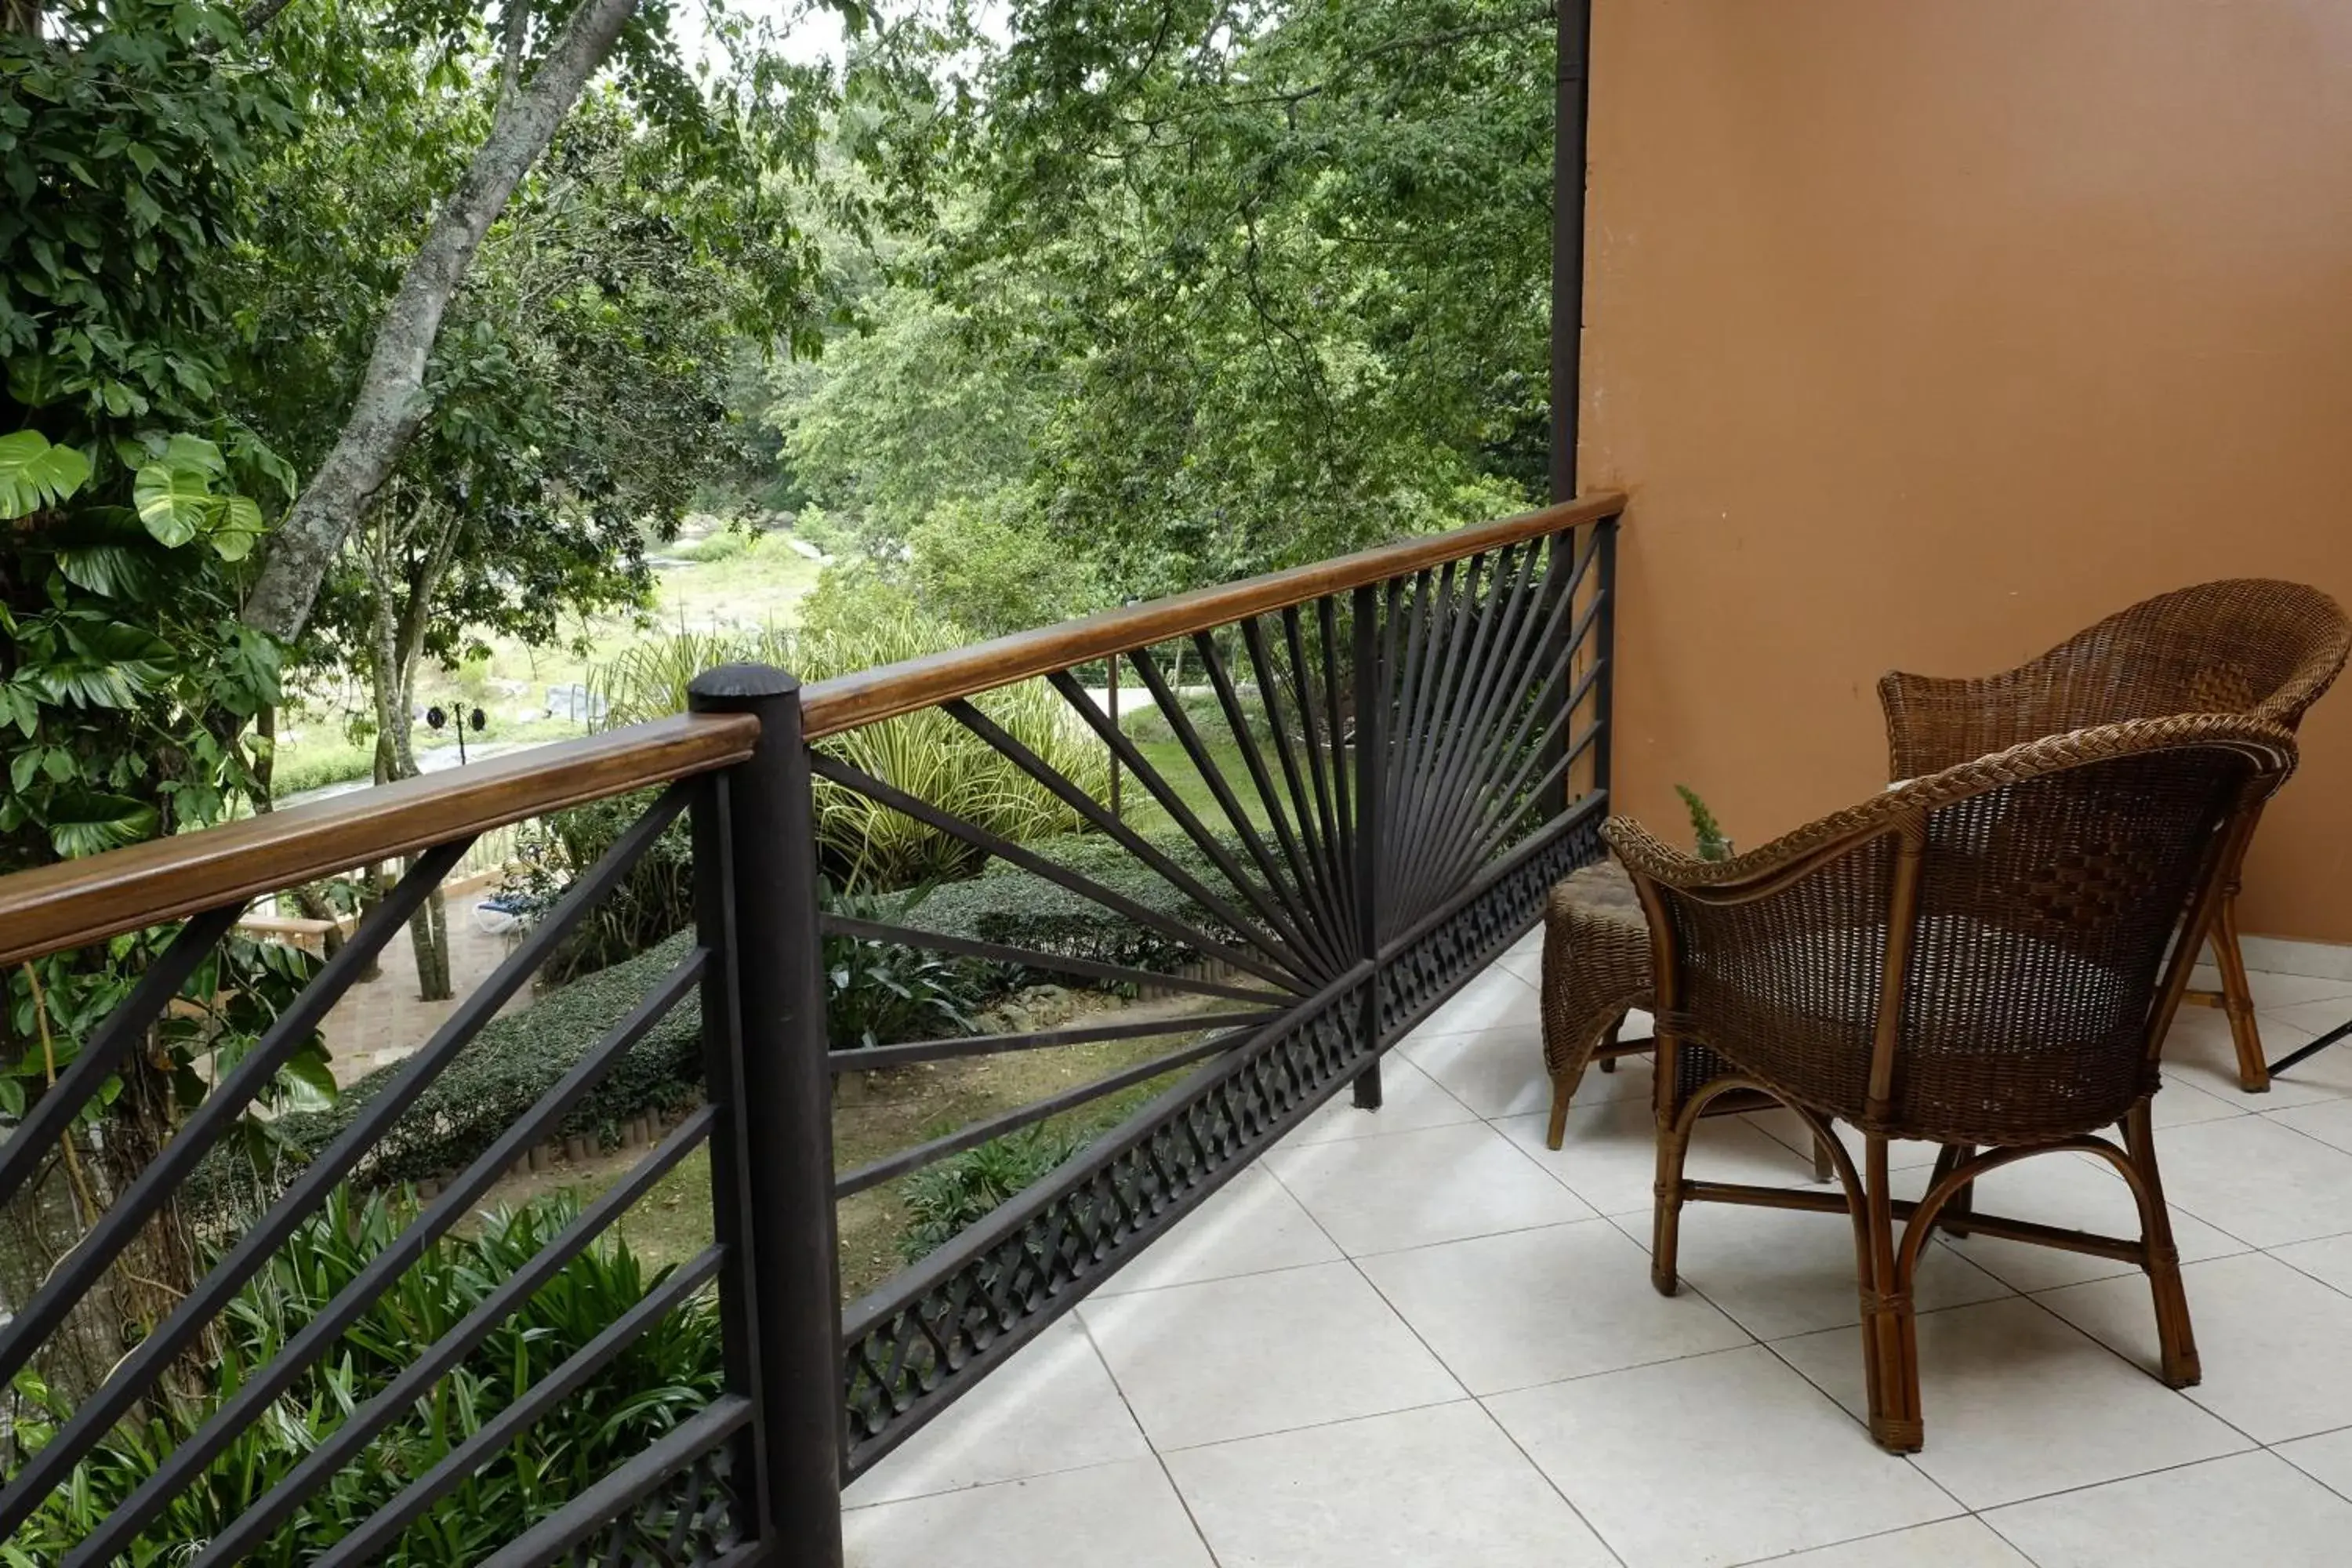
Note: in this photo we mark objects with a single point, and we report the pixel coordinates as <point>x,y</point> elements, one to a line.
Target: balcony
<point>1416,1336</point>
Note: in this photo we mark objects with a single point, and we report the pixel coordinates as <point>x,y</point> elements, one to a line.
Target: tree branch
<point>391,405</point>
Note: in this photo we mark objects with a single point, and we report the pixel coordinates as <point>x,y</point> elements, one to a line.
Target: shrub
<point>664,1376</point>
<point>309,766</point>
<point>945,1199</point>
<point>652,903</point>
<point>880,994</point>
<point>723,545</point>
<point>926,754</point>
<point>1016,908</point>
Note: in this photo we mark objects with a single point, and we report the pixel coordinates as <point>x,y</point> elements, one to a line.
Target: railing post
<point>1604,639</point>
<point>1371,758</point>
<point>774,1205</point>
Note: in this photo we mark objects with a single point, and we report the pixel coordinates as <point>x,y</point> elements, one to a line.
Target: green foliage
<point>1707,834</point>
<point>1016,908</point>
<point>654,901</point>
<point>495,1080</point>
<point>989,566</point>
<point>946,1199</point>
<point>663,1377</point>
<point>881,994</point>
<point>850,625</point>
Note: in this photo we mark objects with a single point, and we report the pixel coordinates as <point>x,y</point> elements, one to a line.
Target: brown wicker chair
<point>2266,649</point>
<point>1983,958</point>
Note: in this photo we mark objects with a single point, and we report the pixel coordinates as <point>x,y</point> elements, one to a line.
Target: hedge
<point>495,1080</point>
<point>1016,908</point>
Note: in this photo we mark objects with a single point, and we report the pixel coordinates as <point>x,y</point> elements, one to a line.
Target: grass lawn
<point>907,1106</point>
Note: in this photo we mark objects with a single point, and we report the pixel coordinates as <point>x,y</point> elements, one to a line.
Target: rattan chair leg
<point>2176,1340</point>
<point>2237,994</point>
<point>1890,1337</point>
<point>1961,1204</point>
<point>1667,1196</point>
<point>1563,1090</point>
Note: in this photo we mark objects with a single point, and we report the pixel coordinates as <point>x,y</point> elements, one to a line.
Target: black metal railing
<point>1384,763</point>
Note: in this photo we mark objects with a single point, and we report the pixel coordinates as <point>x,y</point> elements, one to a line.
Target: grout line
<point>1158,1459</point>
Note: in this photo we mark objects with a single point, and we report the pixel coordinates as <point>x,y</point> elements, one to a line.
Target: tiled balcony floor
<point>1416,1337</point>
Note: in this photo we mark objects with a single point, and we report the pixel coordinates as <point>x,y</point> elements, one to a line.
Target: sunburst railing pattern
<point>1359,780</point>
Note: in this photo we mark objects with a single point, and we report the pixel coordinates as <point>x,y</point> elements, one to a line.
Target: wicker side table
<point>1596,968</point>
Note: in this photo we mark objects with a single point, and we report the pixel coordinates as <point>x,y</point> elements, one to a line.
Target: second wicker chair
<point>1983,957</point>
<point>2253,646</point>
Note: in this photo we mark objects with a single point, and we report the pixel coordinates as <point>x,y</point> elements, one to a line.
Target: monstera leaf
<point>87,822</point>
<point>174,500</point>
<point>34,474</point>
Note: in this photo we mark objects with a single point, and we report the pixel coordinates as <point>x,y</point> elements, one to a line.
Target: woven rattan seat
<point>2266,649</point>
<point>1984,957</point>
<point>1596,968</point>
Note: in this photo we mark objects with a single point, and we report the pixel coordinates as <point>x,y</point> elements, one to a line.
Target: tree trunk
<point>391,405</point>
<point>392,680</point>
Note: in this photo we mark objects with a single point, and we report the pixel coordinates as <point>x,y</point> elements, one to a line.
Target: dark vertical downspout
<point>1575,56</point>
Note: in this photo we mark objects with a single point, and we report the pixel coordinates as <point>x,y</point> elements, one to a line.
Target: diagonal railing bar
<point>1417,735</point>
<point>188,1462</point>
<point>1528,797</point>
<point>1337,698</point>
<point>124,1027</point>
<point>1310,824</point>
<point>1489,802</point>
<point>360,1425</point>
<point>850,777</point>
<point>1561,659</point>
<point>138,1371</point>
<point>1477,673</point>
<point>1499,870</point>
<point>1319,771</point>
<point>877,1172</point>
<point>1300,926</point>
<point>625,1487</point>
<point>1501,674</point>
<point>1281,949</point>
<point>75,1275</point>
<point>1408,666</point>
<point>1171,800</point>
<point>868,1058</point>
<point>385,1525</point>
<point>1310,889</point>
<point>1033,958</point>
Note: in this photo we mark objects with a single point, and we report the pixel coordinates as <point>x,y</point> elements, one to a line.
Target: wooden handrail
<point>56,907</point>
<point>847,701</point>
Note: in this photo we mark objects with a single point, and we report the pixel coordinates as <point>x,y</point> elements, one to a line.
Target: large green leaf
<point>173,501</point>
<point>89,822</point>
<point>114,569</point>
<point>35,474</point>
<point>240,528</point>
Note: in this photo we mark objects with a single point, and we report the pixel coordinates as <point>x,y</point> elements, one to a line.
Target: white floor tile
<point>1422,1490</point>
<point>2199,1052</point>
<point>1237,1358</point>
<point>2329,1120</point>
<point>2274,991</point>
<point>1497,999</point>
<point>1410,1100</point>
<point>1052,1407</point>
<point>1536,1306</point>
<point>2017,1404</point>
<point>2263,1183</point>
<point>1249,1226</point>
<point>1527,964</point>
<point>2249,1507</point>
<point>1783,1272</point>
<point>1123,1513</point>
<point>2177,1104</point>
<point>1953,1543</point>
<point>2270,1339</point>
<point>2326,1459</point>
<point>1500,1072</point>
<point>2328,1260</point>
<point>2316,1014</point>
<point>1409,1189</point>
<point>2078,1192</point>
<point>1714,1460</point>
<point>1608,1156</point>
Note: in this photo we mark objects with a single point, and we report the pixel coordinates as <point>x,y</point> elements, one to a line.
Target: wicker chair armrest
<point>1936,721</point>
<point>1769,864</point>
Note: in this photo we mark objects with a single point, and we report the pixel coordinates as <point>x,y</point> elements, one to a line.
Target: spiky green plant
<point>1707,834</point>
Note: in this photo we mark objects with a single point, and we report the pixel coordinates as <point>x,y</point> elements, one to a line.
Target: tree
<point>741,138</point>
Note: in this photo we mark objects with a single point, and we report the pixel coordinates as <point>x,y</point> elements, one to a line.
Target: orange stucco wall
<point>1924,333</point>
